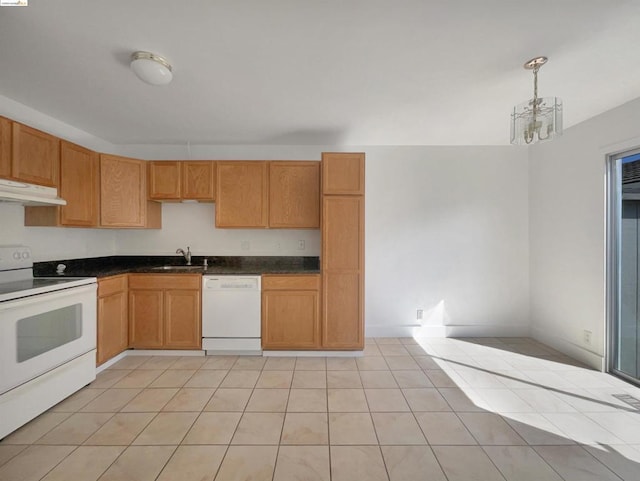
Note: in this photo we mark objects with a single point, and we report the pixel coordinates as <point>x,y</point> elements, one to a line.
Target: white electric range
<point>47,338</point>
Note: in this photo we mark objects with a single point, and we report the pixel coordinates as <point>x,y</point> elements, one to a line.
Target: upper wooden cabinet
<point>342,173</point>
<point>242,194</point>
<point>164,180</point>
<point>123,194</point>
<point>294,195</point>
<point>5,147</point>
<point>79,186</point>
<point>35,156</point>
<point>182,180</point>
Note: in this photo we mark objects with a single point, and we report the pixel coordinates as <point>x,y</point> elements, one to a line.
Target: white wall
<point>567,230</point>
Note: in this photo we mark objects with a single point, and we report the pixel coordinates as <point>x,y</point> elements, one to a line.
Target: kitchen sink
<point>178,268</point>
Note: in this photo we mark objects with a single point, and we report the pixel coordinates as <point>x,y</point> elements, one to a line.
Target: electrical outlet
<point>245,245</point>
<point>301,245</point>
<point>419,314</point>
<point>587,337</point>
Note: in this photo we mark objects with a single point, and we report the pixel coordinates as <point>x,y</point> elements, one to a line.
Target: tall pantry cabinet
<point>342,258</point>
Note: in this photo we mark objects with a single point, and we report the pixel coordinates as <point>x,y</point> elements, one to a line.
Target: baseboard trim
<point>447,331</point>
<point>579,353</point>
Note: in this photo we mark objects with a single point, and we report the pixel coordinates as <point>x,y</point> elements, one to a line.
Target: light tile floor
<point>439,409</point>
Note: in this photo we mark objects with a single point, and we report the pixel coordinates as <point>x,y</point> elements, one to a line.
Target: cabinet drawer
<point>165,281</point>
<point>291,282</point>
<point>111,285</point>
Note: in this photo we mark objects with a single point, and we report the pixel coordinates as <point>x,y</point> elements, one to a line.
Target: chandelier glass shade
<point>537,119</point>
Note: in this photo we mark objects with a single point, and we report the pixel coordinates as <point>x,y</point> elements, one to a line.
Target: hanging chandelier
<point>539,118</point>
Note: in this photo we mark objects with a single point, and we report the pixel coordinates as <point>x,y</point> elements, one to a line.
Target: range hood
<point>29,194</point>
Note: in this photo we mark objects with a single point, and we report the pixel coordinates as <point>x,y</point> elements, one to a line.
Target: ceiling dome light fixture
<point>151,68</point>
<point>539,118</point>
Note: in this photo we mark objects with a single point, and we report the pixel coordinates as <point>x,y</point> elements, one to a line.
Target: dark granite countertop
<point>217,265</point>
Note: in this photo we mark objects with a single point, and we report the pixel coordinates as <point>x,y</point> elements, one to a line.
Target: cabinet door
<point>123,187</point>
<point>35,156</point>
<point>79,185</point>
<point>290,320</point>
<point>113,326</point>
<point>145,319</point>
<point>343,173</point>
<point>164,180</point>
<point>5,148</point>
<point>182,319</point>
<point>294,194</point>
<point>342,233</point>
<point>199,180</point>
<point>241,197</point>
<point>342,309</point>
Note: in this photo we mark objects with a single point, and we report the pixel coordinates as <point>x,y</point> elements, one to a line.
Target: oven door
<point>41,332</point>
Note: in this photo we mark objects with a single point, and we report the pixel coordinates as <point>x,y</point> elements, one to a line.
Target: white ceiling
<point>343,72</point>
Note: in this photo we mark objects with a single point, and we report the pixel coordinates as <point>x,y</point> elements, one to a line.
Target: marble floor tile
<point>574,463</point>
<point>159,362</point>
<point>167,429</point>
<point>397,429</point>
<point>138,378</point>
<point>305,428</point>
<point>378,379</point>
<point>343,379</point>
<point>189,399</point>
<point>228,400</point>
<point>129,362</point>
<point>442,428</point>
<point>307,400</point>
<point>76,429</point>
<point>351,428</point>
<point>425,399</point>
<point>347,400</point>
<point>341,364</point>
<point>389,350</point>
<point>490,429</point>
<point>206,378</point>
<point>311,364</point>
<point>623,460</point>
<point>33,462</point>
<point>349,463</point>
<point>173,378</point>
<point>150,400</point>
<point>466,463</point>
<point>372,363</point>
<point>219,362</point>
<point>108,378</point>
<point>280,364</point>
<point>213,428</point>
<point>112,400</point>
<point>36,428</point>
<point>121,429</point>
<point>308,463</point>
<point>268,400</point>
<point>411,463</point>
<point>259,428</point>
<point>189,362</point>
<point>275,380</point>
<point>411,379</point>
<point>193,463</point>
<point>87,463</point>
<point>386,400</point>
<point>309,380</point>
<point>77,401</point>
<point>582,429</point>
<point>535,429</point>
<point>8,451</point>
<point>249,363</point>
<point>248,463</point>
<point>521,463</point>
<point>139,463</point>
<point>402,363</point>
<point>459,400</point>
<point>240,379</point>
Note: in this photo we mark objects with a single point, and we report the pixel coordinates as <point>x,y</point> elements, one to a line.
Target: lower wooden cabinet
<point>113,319</point>
<point>164,311</point>
<point>290,312</point>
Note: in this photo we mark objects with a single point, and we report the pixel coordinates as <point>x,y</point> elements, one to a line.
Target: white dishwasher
<point>231,314</point>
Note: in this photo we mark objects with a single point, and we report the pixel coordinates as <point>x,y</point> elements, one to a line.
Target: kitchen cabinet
<point>5,148</point>
<point>242,194</point>
<point>342,173</point>
<point>290,312</point>
<point>164,311</point>
<point>182,180</point>
<point>113,317</point>
<point>294,195</point>
<point>79,186</point>
<point>342,254</point>
<point>35,156</point>
<point>123,194</point>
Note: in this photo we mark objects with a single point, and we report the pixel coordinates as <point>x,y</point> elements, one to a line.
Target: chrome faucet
<point>187,255</point>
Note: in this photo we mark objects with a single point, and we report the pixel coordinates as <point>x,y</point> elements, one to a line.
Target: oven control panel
<point>15,257</point>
